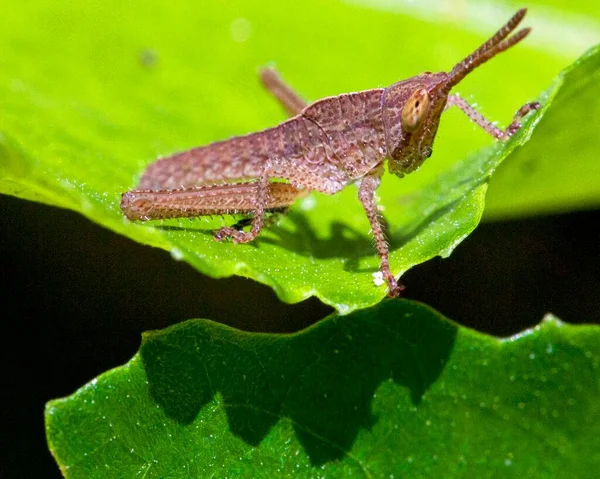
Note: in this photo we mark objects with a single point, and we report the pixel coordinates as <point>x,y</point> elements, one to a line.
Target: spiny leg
<point>205,200</point>
<point>291,101</point>
<point>258,219</point>
<point>487,125</point>
<point>366,194</point>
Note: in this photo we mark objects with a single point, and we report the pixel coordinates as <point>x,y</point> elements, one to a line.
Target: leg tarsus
<point>291,101</point>
<point>487,125</point>
<point>516,123</point>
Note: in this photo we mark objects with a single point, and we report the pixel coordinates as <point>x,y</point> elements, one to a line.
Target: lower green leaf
<point>396,390</point>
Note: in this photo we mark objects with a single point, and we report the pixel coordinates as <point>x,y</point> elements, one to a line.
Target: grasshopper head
<point>411,115</point>
<point>412,108</point>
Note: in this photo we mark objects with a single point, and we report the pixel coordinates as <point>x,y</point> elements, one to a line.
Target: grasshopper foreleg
<point>366,194</point>
<point>487,125</point>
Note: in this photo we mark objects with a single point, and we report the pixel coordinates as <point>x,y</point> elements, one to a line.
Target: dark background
<point>77,298</point>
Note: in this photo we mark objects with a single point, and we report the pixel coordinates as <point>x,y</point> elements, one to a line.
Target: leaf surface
<point>393,390</point>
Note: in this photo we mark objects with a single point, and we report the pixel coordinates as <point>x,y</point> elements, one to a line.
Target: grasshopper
<point>324,146</point>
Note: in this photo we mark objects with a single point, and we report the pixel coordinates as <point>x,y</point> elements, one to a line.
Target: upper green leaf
<point>92,93</point>
<point>395,390</point>
<point>559,169</point>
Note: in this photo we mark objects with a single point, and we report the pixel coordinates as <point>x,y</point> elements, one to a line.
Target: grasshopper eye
<point>415,110</point>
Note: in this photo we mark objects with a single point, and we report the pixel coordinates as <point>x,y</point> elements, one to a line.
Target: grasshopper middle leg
<point>265,196</point>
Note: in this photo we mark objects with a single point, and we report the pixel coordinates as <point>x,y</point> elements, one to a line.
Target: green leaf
<point>91,93</point>
<point>559,169</point>
<point>395,390</point>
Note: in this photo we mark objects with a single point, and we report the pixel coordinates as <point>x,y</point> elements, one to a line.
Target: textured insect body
<point>325,147</point>
<point>332,143</point>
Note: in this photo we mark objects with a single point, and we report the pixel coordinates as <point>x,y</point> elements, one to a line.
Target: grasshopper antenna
<point>498,43</point>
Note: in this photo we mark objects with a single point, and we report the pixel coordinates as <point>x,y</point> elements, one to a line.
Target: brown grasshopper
<point>325,146</point>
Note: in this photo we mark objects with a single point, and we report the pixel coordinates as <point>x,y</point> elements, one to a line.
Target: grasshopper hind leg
<point>289,99</point>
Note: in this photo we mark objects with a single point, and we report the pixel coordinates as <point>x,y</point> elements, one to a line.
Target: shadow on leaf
<point>322,379</point>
